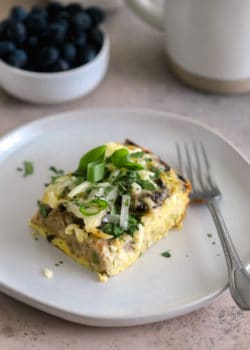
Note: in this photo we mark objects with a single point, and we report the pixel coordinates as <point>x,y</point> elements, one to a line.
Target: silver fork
<point>198,171</point>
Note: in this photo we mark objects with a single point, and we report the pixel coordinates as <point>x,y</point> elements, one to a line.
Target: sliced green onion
<point>120,157</point>
<point>93,207</point>
<point>95,171</point>
<point>91,156</point>
<point>133,166</point>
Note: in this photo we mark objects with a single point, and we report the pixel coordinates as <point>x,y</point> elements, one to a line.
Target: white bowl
<point>55,87</point>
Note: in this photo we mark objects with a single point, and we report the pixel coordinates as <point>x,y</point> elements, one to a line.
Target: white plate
<point>154,288</point>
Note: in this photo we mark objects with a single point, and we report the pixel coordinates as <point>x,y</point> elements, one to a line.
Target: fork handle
<point>239,279</point>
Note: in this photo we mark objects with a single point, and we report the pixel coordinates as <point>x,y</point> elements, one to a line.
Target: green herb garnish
<point>137,154</point>
<point>166,254</point>
<point>209,235</point>
<point>28,168</point>
<point>91,156</point>
<point>93,207</point>
<point>116,231</point>
<point>95,258</point>
<point>58,172</point>
<point>156,172</point>
<point>113,229</point>
<point>133,166</point>
<point>120,157</point>
<point>43,209</point>
<point>146,185</point>
<point>95,171</point>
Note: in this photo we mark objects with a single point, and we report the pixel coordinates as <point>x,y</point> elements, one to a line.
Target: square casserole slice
<point>121,200</point>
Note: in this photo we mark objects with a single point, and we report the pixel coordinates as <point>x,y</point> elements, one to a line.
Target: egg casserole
<point>121,199</point>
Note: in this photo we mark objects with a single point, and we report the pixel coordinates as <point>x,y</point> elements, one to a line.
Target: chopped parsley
<point>125,179</point>
<point>28,168</point>
<point>156,171</point>
<point>137,154</point>
<point>95,258</point>
<point>116,231</point>
<point>146,185</point>
<point>79,180</point>
<point>209,235</point>
<point>166,254</point>
<point>112,229</point>
<point>43,209</point>
<point>57,172</point>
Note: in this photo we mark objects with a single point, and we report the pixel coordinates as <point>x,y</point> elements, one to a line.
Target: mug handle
<point>151,13</point>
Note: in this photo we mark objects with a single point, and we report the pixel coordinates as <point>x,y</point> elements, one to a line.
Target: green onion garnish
<point>95,171</point>
<point>93,207</point>
<point>91,156</point>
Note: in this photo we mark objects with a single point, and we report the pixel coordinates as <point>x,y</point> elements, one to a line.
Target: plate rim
<point>160,112</point>
<point>125,320</point>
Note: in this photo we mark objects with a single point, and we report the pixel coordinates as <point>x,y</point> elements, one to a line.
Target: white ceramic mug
<point>207,42</point>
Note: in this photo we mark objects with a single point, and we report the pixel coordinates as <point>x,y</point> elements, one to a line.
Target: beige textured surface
<point>137,77</point>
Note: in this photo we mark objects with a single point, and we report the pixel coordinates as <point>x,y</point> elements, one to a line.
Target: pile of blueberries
<point>54,38</point>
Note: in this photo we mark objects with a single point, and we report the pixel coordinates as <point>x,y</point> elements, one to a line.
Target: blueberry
<point>68,52</point>
<point>80,39</point>
<point>16,31</point>
<point>32,42</point>
<point>60,66</point>
<point>3,29</point>
<point>86,54</point>
<point>96,37</point>
<point>97,15</point>
<point>53,8</point>
<point>39,10</point>
<point>74,8</point>
<point>6,47</point>
<point>49,55</point>
<point>17,58</point>
<point>80,21</point>
<point>56,33</point>
<point>18,13</point>
<point>36,24</point>
<point>63,15</point>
